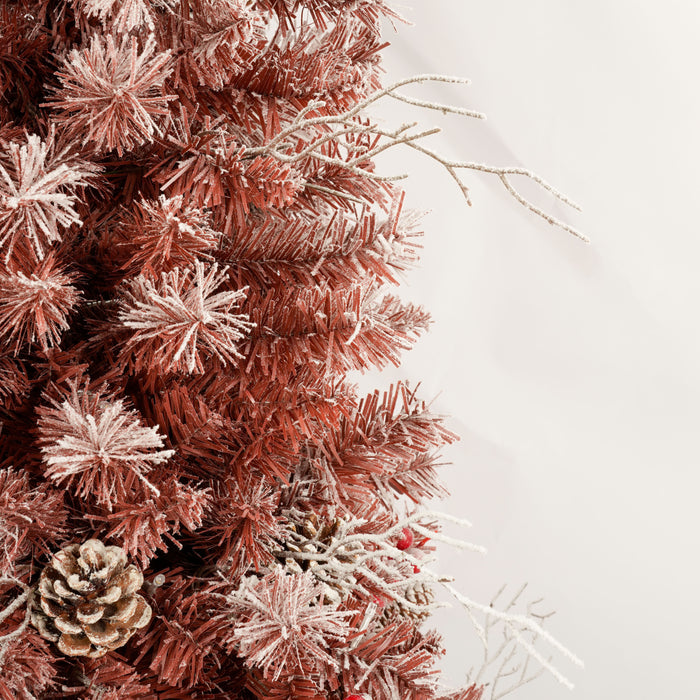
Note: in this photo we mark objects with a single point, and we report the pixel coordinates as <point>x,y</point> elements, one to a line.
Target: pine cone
<point>310,527</point>
<point>86,600</point>
<point>419,594</point>
<point>308,533</point>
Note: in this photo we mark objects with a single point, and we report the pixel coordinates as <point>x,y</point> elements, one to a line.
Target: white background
<point>570,371</point>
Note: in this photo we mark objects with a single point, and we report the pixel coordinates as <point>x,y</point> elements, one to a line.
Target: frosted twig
<point>517,624</point>
<point>502,173</point>
<point>506,652</point>
<point>10,609</point>
<point>395,141</point>
<point>382,540</point>
<point>445,109</point>
<point>17,602</point>
<point>353,556</point>
<point>354,128</point>
<point>281,146</point>
<point>536,210</point>
<point>460,544</point>
<point>344,117</point>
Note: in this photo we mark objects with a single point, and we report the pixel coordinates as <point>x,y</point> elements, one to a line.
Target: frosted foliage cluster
<point>100,445</point>
<point>166,233</point>
<point>36,196</point>
<point>283,625</point>
<point>180,317</point>
<point>111,93</point>
<point>126,15</point>
<point>36,307</point>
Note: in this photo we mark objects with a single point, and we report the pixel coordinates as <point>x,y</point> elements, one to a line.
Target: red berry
<point>416,570</point>
<point>406,539</point>
<point>355,697</point>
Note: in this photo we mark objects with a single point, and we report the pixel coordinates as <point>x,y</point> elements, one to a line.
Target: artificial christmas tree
<point>195,250</point>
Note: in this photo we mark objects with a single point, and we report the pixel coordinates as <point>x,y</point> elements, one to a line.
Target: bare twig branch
<point>17,603</point>
<point>355,556</point>
<point>282,146</point>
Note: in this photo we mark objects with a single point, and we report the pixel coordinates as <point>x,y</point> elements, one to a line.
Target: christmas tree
<point>196,250</point>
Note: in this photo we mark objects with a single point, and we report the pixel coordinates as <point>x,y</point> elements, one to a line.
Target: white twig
<point>282,146</point>
<point>10,609</point>
<point>502,173</point>
<point>536,210</point>
<point>445,109</point>
<point>517,624</point>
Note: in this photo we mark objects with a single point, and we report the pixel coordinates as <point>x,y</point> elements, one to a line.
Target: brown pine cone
<point>420,594</point>
<point>86,600</point>
<point>307,533</point>
<point>311,529</point>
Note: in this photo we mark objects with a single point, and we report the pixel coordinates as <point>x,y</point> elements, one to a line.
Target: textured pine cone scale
<point>420,594</point>
<point>87,601</point>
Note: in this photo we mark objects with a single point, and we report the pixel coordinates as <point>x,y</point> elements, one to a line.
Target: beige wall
<point>571,371</point>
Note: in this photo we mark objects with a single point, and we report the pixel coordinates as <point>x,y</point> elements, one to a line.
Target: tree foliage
<point>195,251</point>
